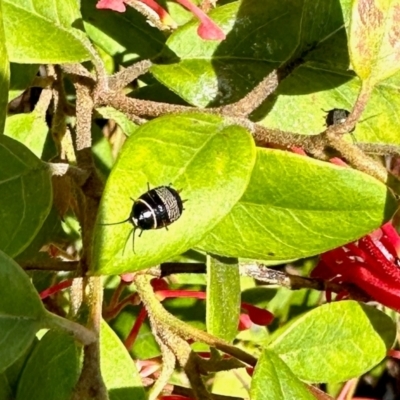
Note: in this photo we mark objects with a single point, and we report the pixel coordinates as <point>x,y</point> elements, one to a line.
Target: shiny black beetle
<point>155,209</point>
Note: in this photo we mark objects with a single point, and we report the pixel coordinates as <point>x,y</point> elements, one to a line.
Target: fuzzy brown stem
<point>179,328</point>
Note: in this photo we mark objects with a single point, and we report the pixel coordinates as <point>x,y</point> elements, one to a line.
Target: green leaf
<point>30,129</point>
<point>126,36</point>
<point>273,380</point>
<point>22,76</point>
<point>21,312</point>
<point>296,207</point>
<point>207,159</point>
<point>4,74</point>
<point>223,297</point>
<point>119,372</point>
<point>28,25</point>
<point>259,39</point>
<point>374,39</point>
<point>52,370</point>
<point>335,342</point>
<point>25,195</point>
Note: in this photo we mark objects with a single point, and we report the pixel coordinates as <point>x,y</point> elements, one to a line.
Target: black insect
<point>155,209</point>
<point>336,116</point>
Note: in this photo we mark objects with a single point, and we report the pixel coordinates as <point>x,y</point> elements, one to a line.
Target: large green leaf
<point>21,311</point>
<point>261,35</point>
<point>296,207</point>
<point>335,342</point>
<point>273,380</point>
<point>52,369</point>
<point>374,39</point>
<point>223,297</point>
<point>205,157</point>
<point>25,195</point>
<point>41,31</point>
<point>4,74</point>
<point>119,372</point>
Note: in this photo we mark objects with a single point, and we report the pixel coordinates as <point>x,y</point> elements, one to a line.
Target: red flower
<point>207,30</point>
<point>115,5</point>
<point>371,263</point>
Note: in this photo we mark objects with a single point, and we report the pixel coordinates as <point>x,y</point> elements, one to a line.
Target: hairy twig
<point>357,158</point>
<point>42,81</point>
<point>151,15</point>
<point>252,100</point>
<point>133,108</point>
<point>123,78</point>
<point>90,383</point>
<point>381,149</point>
<point>58,124</point>
<point>44,101</point>
<point>167,369</point>
<point>174,334</point>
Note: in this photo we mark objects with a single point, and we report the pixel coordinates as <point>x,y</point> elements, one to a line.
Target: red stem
<point>56,288</point>
<point>130,340</point>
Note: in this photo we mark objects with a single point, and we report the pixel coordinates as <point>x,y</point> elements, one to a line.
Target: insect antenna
<point>133,230</point>
<point>116,223</point>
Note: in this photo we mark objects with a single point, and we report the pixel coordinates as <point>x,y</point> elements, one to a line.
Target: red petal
<point>208,29</point>
<point>325,270</point>
<point>394,353</point>
<point>244,322</point>
<point>392,236</point>
<point>258,315</point>
<point>115,5</point>
<point>379,262</point>
<point>338,161</point>
<point>159,284</point>
<point>378,286</point>
<point>298,150</point>
<point>250,370</point>
<point>128,277</point>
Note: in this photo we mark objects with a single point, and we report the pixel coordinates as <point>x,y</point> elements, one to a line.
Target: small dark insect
<point>155,209</point>
<point>336,116</point>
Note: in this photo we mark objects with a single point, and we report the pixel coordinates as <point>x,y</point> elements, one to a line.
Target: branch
<point>121,79</point>
<point>294,282</point>
<point>254,99</point>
